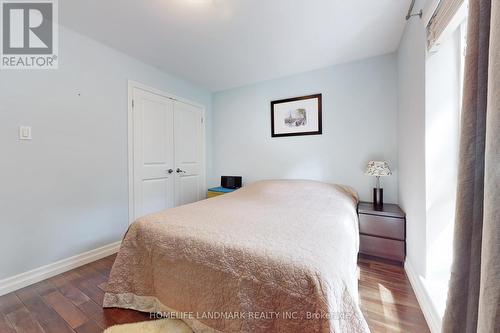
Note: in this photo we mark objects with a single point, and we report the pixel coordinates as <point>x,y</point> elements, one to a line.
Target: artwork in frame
<point>296,116</point>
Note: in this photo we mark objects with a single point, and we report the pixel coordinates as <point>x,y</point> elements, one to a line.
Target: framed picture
<point>296,116</point>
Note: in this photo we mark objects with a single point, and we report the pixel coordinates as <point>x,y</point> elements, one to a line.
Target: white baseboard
<point>430,313</point>
<point>22,280</point>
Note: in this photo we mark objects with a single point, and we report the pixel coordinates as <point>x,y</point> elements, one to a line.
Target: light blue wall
<point>66,191</point>
<point>359,124</point>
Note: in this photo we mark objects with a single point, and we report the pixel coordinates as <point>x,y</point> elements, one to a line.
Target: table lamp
<point>378,169</point>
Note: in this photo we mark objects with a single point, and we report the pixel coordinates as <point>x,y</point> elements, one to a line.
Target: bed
<point>274,256</point>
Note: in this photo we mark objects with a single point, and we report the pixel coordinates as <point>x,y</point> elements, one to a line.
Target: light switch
<point>24,132</point>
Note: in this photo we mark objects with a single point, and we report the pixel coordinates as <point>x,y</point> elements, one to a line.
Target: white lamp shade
<point>378,169</point>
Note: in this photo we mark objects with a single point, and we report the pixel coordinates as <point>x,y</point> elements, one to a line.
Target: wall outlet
<point>24,133</point>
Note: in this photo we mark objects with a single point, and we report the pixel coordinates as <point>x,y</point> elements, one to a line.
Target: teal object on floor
<point>221,189</point>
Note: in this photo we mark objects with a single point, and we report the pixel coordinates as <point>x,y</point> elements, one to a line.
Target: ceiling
<point>221,44</point>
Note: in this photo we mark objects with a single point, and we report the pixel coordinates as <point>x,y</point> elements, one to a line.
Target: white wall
<point>359,124</point>
<point>411,138</point>
<point>412,156</point>
<point>66,192</point>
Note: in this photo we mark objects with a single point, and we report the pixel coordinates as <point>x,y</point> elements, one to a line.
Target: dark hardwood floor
<point>70,302</point>
<point>387,299</point>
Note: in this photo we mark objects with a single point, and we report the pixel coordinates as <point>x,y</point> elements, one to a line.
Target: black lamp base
<point>378,197</point>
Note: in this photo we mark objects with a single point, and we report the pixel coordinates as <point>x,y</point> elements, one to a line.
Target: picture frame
<point>296,116</point>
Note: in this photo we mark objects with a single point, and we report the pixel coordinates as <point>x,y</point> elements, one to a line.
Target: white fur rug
<point>153,326</point>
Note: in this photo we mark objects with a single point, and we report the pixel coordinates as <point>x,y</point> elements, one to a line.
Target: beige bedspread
<point>274,256</point>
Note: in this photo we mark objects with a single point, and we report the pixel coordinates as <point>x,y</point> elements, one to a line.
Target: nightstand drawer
<point>382,247</point>
<point>390,227</point>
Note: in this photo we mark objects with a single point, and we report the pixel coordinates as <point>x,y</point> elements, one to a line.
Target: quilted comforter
<point>274,256</point>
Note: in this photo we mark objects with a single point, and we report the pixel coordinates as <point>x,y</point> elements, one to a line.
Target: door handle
<point>180,171</point>
<point>170,170</point>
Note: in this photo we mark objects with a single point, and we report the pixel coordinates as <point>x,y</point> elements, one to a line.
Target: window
<point>444,77</point>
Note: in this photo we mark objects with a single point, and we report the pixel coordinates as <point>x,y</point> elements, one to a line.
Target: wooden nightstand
<point>216,191</point>
<point>382,231</point>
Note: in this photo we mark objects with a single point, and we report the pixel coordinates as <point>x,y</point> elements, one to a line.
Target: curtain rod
<point>419,14</point>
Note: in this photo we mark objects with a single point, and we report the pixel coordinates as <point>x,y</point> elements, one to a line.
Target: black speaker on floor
<point>230,181</point>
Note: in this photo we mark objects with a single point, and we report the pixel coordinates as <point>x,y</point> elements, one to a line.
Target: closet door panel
<point>153,138</point>
<point>188,138</point>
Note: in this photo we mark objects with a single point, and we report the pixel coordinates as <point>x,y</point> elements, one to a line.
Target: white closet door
<point>189,184</point>
<point>153,137</point>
